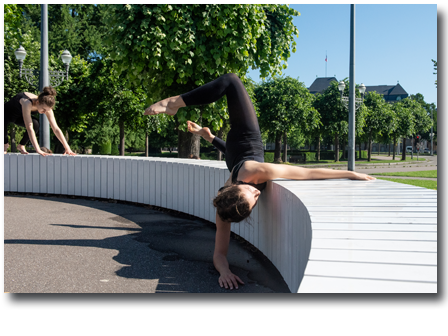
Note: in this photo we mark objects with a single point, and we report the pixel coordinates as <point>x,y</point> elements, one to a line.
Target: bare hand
<point>41,153</point>
<point>229,280</point>
<point>361,176</point>
<point>69,152</point>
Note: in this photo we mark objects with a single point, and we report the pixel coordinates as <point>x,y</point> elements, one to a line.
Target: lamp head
<point>66,57</point>
<point>341,86</point>
<point>362,88</point>
<point>20,53</point>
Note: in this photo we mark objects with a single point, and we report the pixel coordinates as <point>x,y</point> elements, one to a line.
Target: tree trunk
<point>403,155</point>
<point>360,151</point>
<point>122,138</point>
<point>278,144</point>
<point>146,144</point>
<point>220,134</point>
<point>369,153</point>
<point>285,150</point>
<point>318,148</point>
<point>336,148</point>
<point>13,139</point>
<point>188,144</point>
<point>394,147</point>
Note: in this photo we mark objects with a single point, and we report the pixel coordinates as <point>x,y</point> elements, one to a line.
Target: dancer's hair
<point>46,150</point>
<point>47,96</point>
<point>231,204</point>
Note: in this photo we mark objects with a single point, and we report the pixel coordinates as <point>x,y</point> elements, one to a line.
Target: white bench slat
<point>314,284</point>
<point>394,257</point>
<point>372,271</point>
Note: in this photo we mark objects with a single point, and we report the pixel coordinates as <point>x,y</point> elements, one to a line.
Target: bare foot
<point>168,106</point>
<point>202,131</point>
<point>22,149</point>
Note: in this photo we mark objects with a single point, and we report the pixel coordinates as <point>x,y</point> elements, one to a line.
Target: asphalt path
<point>74,245</point>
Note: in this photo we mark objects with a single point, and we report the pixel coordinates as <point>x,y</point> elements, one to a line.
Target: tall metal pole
<point>351,102</point>
<point>44,80</point>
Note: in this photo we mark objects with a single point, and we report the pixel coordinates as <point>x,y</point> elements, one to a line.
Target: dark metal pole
<point>351,103</point>
<point>44,80</point>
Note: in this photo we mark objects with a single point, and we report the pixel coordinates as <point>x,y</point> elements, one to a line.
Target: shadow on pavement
<point>173,248</point>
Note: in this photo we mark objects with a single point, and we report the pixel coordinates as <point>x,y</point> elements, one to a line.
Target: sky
<point>393,43</point>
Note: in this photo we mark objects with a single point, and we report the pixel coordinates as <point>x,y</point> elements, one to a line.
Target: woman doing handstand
<point>244,159</point>
<point>18,111</point>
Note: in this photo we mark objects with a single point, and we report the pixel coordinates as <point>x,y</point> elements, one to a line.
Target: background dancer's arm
<point>57,131</point>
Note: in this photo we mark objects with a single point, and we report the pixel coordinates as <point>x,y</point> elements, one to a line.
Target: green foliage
<point>334,115</point>
<point>268,157</point>
<point>285,105</point>
<point>78,28</point>
<point>379,118</point>
<point>171,49</point>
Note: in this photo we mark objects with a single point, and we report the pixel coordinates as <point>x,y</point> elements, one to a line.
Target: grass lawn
<point>418,183</point>
<point>424,173</point>
<point>344,162</point>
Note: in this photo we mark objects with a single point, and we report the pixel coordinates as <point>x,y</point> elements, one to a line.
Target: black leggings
<point>244,138</point>
<point>20,122</point>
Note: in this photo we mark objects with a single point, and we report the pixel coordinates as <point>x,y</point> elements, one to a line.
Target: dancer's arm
<point>57,131</point>
<point>227,278</point>
<point>269,171</point>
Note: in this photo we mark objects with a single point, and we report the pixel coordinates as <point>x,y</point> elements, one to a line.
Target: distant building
<point>391,93</point>
<point>321,84</point>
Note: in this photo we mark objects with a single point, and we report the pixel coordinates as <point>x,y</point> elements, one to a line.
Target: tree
<point>379,119</point>
<point>405,123</point>
<point>334,115</point>
<point>285,105</point>
<point>112,100</point>
<point>78,28</point>
<point>171,49</point>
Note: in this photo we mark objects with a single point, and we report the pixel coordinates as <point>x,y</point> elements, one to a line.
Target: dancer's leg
<point>207,135</point>
<point>241,110</point>
<point>26,137</point>
<point>168,106</point>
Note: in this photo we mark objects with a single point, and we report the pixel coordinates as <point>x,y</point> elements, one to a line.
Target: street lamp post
<point>352,110</point>
<point>46,77</point>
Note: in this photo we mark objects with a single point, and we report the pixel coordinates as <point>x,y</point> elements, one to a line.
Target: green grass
<point>373,162</point>
<point>424,173</point>
<point>418,183</point>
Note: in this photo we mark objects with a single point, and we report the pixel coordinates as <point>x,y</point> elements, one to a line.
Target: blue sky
<point>394,43</point>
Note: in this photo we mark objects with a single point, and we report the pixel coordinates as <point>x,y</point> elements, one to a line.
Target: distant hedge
<point>312,156</point>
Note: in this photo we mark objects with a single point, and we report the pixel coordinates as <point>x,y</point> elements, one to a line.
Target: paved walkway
<point>73,245</point>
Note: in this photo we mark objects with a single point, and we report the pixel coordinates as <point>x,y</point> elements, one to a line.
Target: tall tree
<point>285,105</point>
<point>171,49</point>
<point>379,119</point>
<point>334,115</point>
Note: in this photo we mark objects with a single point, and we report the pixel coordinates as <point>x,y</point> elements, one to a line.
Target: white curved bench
<point>323,236</point>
